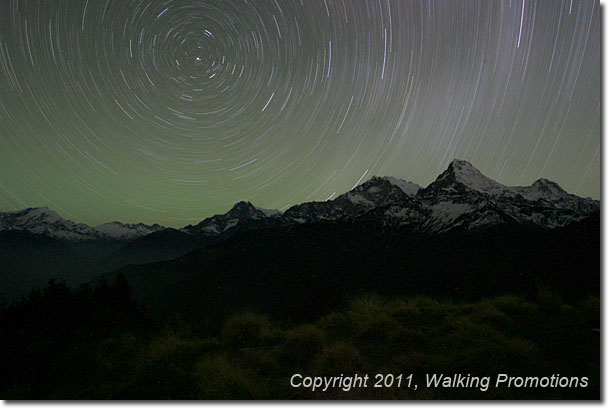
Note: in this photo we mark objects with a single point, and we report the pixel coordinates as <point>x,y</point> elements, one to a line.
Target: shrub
<point>245,330</point>
<point>406,337</point>
<point>481,348</point>
<point>114,354</point>
<point>369,318</point>
<point>406,313</point>
<point>302,344</point>
<point>339,358</point>
<point>115,361</point>
<point>487,311</point>
<point>165,367</point>
<point>424,309</point>
<point>219,378</point>
<point>173,350</point>
<point>548,302</point>
<point>415,361</point>
<point>335,323</point>
<point>261,360</point>
<point>513,305</point>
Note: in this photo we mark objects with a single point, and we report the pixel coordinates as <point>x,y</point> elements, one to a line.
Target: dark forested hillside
<point>303,271</point>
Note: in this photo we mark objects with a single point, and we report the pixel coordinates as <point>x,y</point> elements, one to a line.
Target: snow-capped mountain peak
<point>543,186</point>
<point>241,216</point>
<point>376,192</point>
<point>45,221</point>
<point>460,198</point>
<point>40,214</point>
<point>465,174</point>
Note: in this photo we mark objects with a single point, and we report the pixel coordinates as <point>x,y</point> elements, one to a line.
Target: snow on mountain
<point>463,197</point>
<point>460,198</point>
<point>462,174</point>
<point>47,222</point>
<point>550,192</point>
<point>43,215</point>
<point>243,215</point>
<point>376,192</point>
<point>119,230</point>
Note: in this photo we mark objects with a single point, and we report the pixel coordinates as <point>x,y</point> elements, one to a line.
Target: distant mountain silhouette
<point>460,201</point>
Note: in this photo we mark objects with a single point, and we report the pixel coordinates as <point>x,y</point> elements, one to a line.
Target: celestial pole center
<point>169,111</point>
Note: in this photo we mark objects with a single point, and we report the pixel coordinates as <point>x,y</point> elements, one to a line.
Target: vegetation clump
<point>95,343</point>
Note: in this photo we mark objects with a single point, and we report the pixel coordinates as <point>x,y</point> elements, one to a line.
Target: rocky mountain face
<point>463,198</point>
<point>373,193</point>
<point>242,216</point>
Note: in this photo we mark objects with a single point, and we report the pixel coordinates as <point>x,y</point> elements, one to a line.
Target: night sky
<point>171,111</point>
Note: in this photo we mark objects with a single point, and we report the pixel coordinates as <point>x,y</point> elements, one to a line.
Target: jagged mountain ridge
<point>460,200</point>
<point>461,197</point>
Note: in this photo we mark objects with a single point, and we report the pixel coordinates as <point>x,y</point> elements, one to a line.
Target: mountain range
<point>460,201</point>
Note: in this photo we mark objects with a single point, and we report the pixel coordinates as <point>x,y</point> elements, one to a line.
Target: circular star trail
<point>170,111</point>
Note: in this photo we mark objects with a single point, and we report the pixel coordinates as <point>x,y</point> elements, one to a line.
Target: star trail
<point>171,111</point>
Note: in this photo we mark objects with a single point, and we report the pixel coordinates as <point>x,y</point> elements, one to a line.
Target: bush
<point>339,358</point>
<point>114,361</point>
<point>245,330</point>
<point>406,337</point>
<point>165,367</point>
<point>415,361</point>
<point>548,302</point>
<point>406,313</point>
<point>513,305</point>
<point>335,323</point>
<point>369,318</point>
<point>479,348</point>
<point>487,311</point>
<point>173,350</point>
<point>421,310</point>
<point>302,344</point>
<point>219,378</point>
